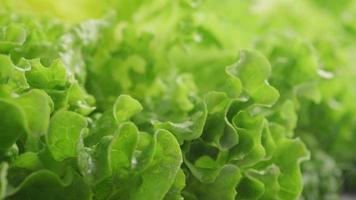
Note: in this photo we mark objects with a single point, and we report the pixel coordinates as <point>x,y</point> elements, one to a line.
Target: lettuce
<point>169,100</point>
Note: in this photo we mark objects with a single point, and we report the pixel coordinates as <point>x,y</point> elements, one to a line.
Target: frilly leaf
<point>253,70</point>
<point>288,155</point>
<point>71,187</point>
<point>250,188</point>
<point>12,36</point>
<point>249,151</point>
<point>53,77</point>
<point>222,188</point>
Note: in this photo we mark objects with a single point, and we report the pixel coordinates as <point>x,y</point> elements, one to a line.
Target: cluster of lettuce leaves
<point>170,100</point>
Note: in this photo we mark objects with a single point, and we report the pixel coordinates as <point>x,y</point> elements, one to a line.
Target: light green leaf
<point>174,192</point>
<point>218,130</point>
<point>269,177</point>
<point>28,160</point>
<point>94,162</point>
<point>12,78</point>
<point>53,77</point>
<point>11,36</point>
<point>158,178</point>
<point>254,70</point>
<point>122,150</point>
<point>249,151</point>
<point>125,107</point>
<point>190,127</point>
<point>104,125</point>
<point>288,155</point>
<point>64,134</point>
<point>36,106</point>
<point>79,100</point>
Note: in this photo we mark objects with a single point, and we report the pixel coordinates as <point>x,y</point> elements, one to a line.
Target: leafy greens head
<point>154,101</point>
